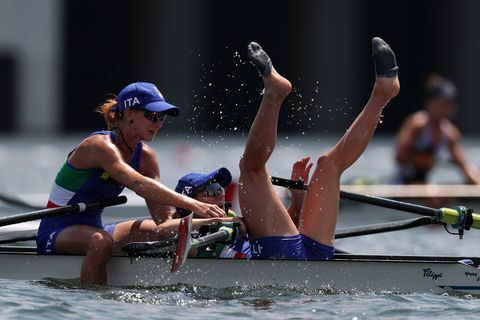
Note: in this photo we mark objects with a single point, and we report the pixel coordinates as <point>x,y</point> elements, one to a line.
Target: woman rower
<point>425,133</point>
<point>273,233</point>
<point>100,167</point>
<point>210,188</point>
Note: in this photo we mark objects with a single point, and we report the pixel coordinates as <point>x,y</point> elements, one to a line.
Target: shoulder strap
<point>135,162</point>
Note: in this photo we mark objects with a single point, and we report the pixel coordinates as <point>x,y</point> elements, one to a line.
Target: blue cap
<point>145,96</point>
<point>191,182</point>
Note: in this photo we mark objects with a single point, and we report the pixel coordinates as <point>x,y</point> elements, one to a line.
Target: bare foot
<point>276,86</point>
<point>387,88</point>
<point>387,84</point>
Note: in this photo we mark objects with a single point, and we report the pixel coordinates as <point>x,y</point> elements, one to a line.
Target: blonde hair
<point>111,117</point>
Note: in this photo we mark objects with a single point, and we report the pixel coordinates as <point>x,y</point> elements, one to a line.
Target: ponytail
<point>110,115</point>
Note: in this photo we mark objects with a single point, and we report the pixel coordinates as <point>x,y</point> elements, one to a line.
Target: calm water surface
<point>29,164</point>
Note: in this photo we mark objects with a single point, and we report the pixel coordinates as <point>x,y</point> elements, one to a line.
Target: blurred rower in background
<point>425,133</point>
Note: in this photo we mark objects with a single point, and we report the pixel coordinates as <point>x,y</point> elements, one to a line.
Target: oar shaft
<point>52,212</point>
<point>220,235</point>
<point>17,202</point>
<point>384,227</point>
<point>445,215</point>
<point>382,202</point>
<point>390,204</point>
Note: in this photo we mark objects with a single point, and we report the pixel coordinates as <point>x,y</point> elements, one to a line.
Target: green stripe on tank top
<point>72,179</point>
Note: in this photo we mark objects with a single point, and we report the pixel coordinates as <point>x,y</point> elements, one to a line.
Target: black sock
<point>384,59</point>
<point>260,59</point>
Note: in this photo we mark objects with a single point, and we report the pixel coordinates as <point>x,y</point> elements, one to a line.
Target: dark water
<point>29,164</point>
<point>54,300</point>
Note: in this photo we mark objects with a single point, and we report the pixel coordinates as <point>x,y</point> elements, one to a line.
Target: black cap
<point>443,89</point>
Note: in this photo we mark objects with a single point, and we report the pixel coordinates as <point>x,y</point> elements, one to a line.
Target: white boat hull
<point>350,273</point>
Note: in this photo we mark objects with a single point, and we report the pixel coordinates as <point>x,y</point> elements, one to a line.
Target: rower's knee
<point>248,166</point>
<point>328,164</point>
<point>100,246</point>
<point>162,233</point>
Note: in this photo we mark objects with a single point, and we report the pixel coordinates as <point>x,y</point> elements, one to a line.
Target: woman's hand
<point>206,210</point>
<point>242,227</point>
<point>222,220</point>
<point>301,170</point>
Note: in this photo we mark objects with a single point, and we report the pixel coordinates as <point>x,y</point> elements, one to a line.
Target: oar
<point>52,212</point>
<point>169,246</point>
<point>185,241</point>
<point>18,235</point>
<point>160,247</point>
<point>461,218</point>
<point>16,202</point>
<point>384,227</point>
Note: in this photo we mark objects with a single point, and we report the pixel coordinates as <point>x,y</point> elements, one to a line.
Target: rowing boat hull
<point>346,272</point>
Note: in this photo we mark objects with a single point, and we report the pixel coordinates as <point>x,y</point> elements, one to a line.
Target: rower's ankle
<point>276,86</point>
<point>386,88</point>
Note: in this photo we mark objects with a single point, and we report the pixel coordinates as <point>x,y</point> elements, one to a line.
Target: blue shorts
<point>46,240</point>
<point>298,247</point>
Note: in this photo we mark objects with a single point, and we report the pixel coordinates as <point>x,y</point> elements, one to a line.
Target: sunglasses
<point>155,116</point>
<point>211,190</point>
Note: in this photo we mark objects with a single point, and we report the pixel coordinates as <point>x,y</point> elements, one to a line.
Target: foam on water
<point>42,299</point>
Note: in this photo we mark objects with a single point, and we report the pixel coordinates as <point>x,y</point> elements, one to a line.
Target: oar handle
<point>287,183</point>
<point>53,212</point>
<point>185,242</point>
<point>224,234</point>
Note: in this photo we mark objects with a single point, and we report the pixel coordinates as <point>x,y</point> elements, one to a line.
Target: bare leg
<point>134,231</point>
<point>95,243</point>
<point>147,230</point>
<point>318,217</point>
<point>262,210</point>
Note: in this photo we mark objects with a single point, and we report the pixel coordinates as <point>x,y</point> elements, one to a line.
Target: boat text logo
<point>472,275</point>
<point>429,273</point>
